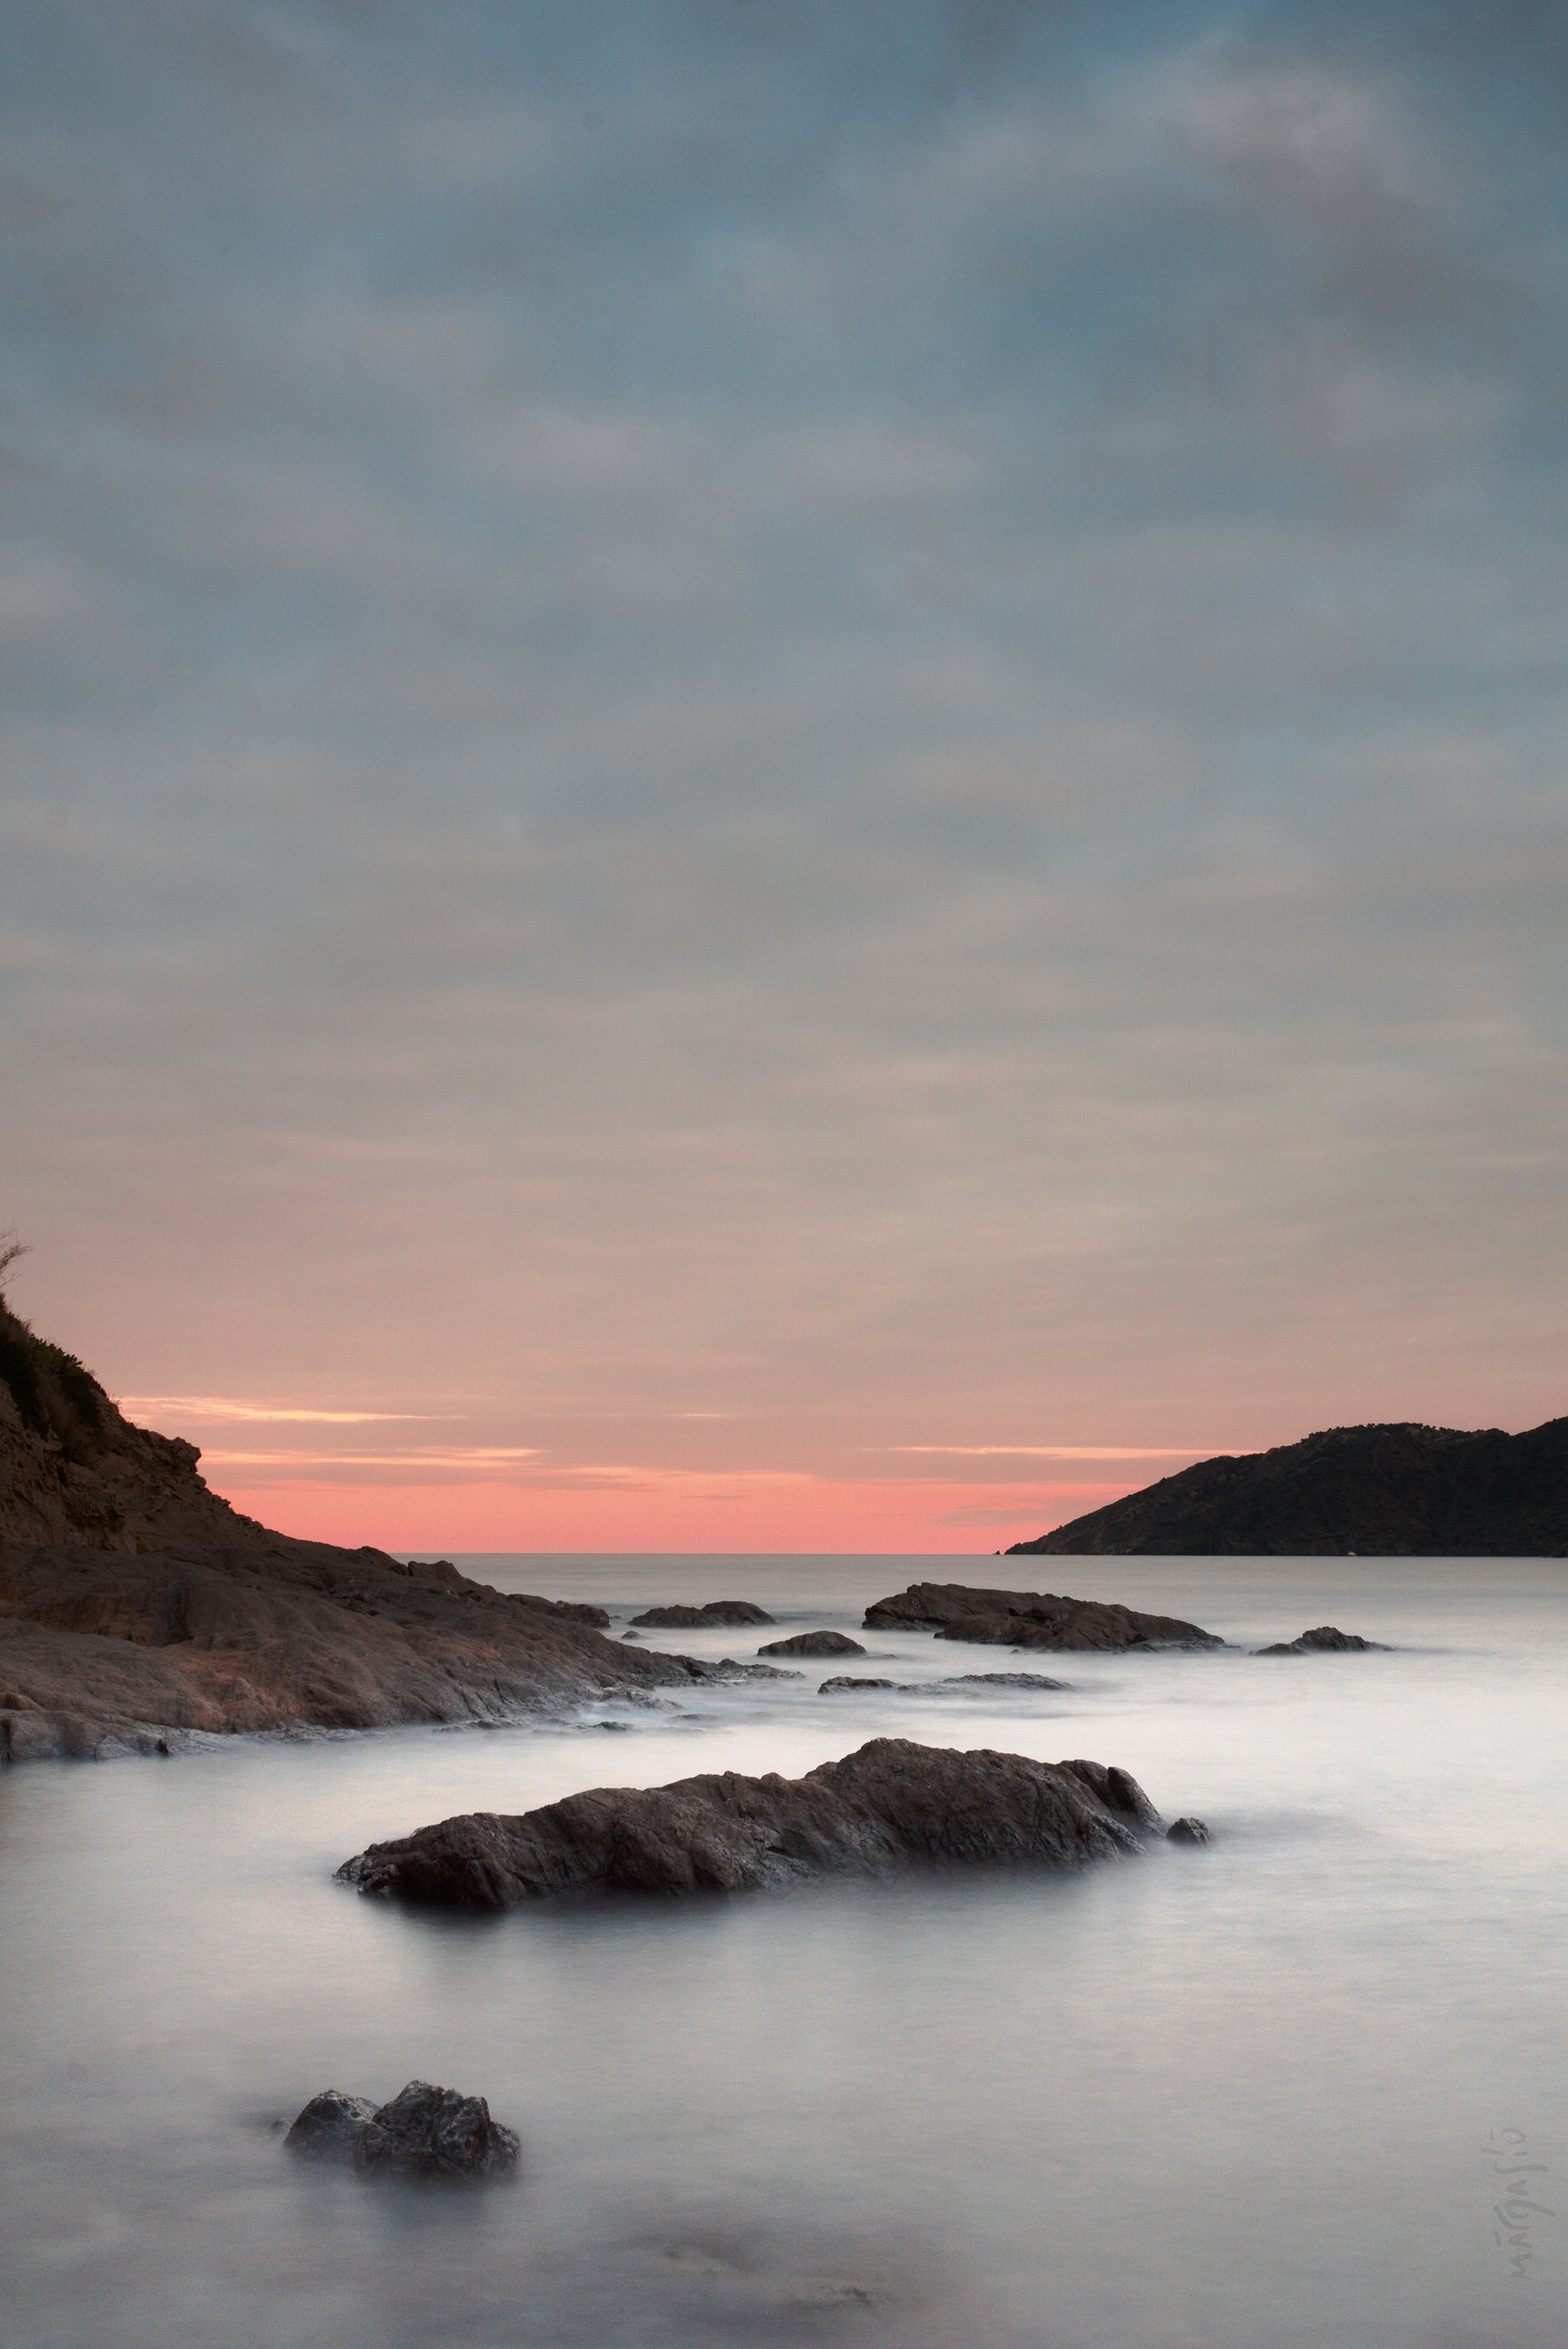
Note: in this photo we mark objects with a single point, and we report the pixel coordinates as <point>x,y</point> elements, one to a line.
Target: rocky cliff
<point>1392,1491</point>
<point>137,1607</point>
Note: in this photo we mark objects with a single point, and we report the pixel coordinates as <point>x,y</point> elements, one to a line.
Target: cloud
<point>862,735</point>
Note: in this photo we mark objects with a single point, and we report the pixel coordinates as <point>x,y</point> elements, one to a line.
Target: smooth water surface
<point>1259,2096</point>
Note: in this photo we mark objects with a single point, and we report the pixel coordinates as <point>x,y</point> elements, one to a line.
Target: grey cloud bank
<point>852,719</point>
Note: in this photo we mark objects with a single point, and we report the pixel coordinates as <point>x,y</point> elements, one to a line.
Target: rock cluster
<point>1029,1619</point>
<point>891,1806</point>
<point>424,2132</point>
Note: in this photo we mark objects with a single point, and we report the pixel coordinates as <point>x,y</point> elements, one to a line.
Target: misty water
<point>1260,2096</point>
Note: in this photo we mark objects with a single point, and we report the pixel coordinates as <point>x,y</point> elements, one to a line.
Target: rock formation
<point>424,2132</point>
<point>889,1807</point>
<point>137,1607</point>
<point>1324,1640</point>
<point>1029,1619</point>
<point>814,1644</point>
<point>1187,1832</point>
<point>845,1684</point>
<point>727,1612</point>
<point>1380,1491</point>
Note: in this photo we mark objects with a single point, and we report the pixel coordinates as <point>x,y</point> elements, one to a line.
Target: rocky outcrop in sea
<point>955,1610</point>
<point>889,1807</point>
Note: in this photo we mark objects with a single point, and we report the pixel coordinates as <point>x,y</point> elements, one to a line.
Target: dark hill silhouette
<point>1383,1491</point>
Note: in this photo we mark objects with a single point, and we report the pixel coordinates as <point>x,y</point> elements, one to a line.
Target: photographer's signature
<point>1520,2181</point>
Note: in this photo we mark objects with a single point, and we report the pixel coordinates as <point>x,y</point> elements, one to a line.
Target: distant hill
<point>1394,1491</point>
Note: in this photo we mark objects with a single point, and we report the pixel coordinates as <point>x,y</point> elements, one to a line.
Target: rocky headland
<point>1382,1491</point>
<point>955,1610</point>
<point>136,1607</point>
<point>890,1807</point>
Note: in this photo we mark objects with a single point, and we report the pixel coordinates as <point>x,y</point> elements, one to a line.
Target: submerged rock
<point>814,1644</point>
<point>891,1806</point>
<point>1187,1832</point>
<point>1325,1640</point>
<point>722,1612</point>
<point>1002,1680</point>
<point>1029,1619</point>
<point>845,1682</point>
<point>424,2132</point>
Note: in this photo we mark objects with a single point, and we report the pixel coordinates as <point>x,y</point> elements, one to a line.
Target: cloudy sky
<point>783,777</point>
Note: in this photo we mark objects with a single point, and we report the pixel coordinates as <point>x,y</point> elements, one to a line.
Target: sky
<point>782,778</point>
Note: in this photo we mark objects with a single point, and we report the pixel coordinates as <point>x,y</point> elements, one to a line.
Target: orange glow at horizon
<point>673,1511</point>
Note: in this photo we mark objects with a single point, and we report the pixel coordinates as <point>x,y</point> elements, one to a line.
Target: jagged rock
<point>1325,1640</point>
<point>814,1644</point>
<point>1029,1619</point>
<point>424,2132</point>
<point>727,1612</point>
<point>891,1806</point>
<point>331,2126</point>
<point>1187,1832</point>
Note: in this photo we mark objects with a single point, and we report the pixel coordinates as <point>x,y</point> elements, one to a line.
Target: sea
<point>1306,2088</point>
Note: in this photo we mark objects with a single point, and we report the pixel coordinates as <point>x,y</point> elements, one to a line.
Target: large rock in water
<point>1029,1619</point>
<point>892,1806</point>
<point>424,2132</point>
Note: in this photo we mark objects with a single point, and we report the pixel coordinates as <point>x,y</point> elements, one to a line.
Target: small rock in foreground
<point>814,1644</point>
<point>1325,1640</point>
<point>1187,1832</point>
<point>425,2132</point>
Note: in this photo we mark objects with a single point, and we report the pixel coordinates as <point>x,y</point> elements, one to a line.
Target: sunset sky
<point>783,777</point>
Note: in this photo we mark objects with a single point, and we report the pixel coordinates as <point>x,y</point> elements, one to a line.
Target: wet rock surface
<point>1187,1832</point>
<point>1024,1619</point>
<point>892,1806</point>
<point>814,1644</point>
<point>845,1684</point>
<point>1325,1640</point>
<point>424,2132</point>
<point>724,1613</point>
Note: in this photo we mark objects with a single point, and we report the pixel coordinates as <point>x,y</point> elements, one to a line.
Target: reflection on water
<point>1249,2096</point>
